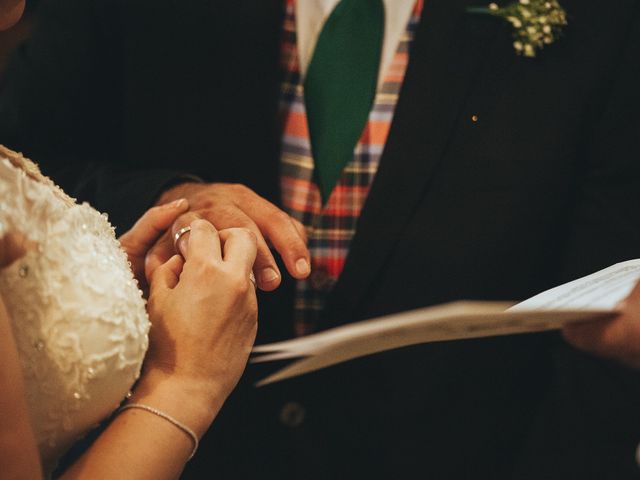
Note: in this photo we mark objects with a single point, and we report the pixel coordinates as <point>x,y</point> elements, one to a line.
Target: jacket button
<point>320,280</point>
<point>292,415</point>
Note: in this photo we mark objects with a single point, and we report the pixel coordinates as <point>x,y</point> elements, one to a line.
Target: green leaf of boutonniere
<point>536,23</point>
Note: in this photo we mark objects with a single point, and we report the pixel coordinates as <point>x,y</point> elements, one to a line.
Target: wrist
<point>192,402</point>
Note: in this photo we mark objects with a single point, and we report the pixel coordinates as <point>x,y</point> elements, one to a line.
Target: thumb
<point>151,226</point>
<point>167,275</point>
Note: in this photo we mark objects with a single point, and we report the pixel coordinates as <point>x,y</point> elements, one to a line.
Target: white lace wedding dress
<point>77,314</point>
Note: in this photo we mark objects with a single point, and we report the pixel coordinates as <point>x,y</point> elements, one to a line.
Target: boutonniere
<point>536,23</point>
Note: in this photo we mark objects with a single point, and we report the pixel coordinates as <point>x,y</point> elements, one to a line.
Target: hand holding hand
<point>146,232</point>
<point>617,339</point>
<point>204,312</point>
<point>232,206</point>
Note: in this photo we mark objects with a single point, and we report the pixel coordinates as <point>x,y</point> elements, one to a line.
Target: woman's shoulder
<point>16,169</point>
<point>28,199</point>
<point>15,172</point>
<point>12,189</point>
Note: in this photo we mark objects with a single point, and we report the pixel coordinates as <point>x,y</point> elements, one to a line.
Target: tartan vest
<point>330,227</point>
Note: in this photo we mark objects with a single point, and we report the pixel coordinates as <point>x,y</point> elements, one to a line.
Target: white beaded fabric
<point>77,314</point>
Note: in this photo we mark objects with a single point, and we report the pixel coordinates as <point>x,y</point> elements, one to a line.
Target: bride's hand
<point>144,234</point>
<point>204,313</point>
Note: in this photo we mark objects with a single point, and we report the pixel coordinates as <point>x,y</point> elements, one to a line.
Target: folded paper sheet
<point>589,298</point>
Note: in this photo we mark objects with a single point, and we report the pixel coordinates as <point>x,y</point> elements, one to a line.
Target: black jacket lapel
<point>446,58</point>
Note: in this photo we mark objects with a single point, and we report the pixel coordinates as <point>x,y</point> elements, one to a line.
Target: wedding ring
<point>180,233</point>
<point>252,278</point>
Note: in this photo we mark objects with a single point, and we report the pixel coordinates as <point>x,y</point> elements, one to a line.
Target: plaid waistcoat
<point>330,227</point>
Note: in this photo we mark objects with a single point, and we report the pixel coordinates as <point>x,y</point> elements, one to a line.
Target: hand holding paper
<point>618,339</point>
<point>594,297</point>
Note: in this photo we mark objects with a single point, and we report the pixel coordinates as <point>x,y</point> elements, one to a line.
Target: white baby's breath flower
<point>515,21</point>
<point>536,23</point>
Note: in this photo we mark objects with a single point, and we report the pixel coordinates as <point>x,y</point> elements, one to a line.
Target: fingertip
<point>171,271</point>
<point>176,259</point>
<point>269,279</point>
<point>181,204</point>
<point>302,268</point>
<point>252,236</point>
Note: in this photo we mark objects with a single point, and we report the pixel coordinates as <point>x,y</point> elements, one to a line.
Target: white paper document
<point>593,297</point>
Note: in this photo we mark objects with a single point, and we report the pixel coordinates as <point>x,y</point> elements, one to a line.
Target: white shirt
<point>311,15</point>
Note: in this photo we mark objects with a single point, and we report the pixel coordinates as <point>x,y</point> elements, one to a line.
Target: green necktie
<point>341,84</point>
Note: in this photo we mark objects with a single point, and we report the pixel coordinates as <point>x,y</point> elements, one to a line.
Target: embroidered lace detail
<point>77,314</point>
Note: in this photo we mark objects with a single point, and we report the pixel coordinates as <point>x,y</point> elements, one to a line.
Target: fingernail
<point>302,266</point>
<point>176,203</point>
<point>268,275</point>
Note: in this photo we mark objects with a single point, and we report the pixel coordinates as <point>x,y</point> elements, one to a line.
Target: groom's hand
<point>232,206</point>
<point>617,339</point>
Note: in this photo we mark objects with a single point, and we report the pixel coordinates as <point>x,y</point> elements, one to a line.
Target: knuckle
<point>243,232</point>
<point>298,224</point>
<point>183,220</point>
<point>185,217</point>
<point>203,192</point>
<point>277,216</point>
<point>205,201</point>
<point>199,224</point>
<point>239,285</point>
<point>253,238</point>
<point>283,216</point>
<point>206,269</point>
<point>238,190</point>
<point>228,215</point>
<point>204,226</point>
<point>202,197</point>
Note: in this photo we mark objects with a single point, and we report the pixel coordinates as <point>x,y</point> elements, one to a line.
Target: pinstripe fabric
<point>330,227</point>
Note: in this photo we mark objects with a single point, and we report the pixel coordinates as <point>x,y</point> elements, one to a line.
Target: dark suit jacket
<point>118,98</point>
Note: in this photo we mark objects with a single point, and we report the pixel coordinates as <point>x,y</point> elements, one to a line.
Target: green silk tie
<point>340,85</point>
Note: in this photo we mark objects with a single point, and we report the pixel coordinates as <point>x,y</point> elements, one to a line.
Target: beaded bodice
<point>77,315</point>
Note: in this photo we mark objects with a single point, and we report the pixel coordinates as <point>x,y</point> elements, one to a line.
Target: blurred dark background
<point>10,39</point>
